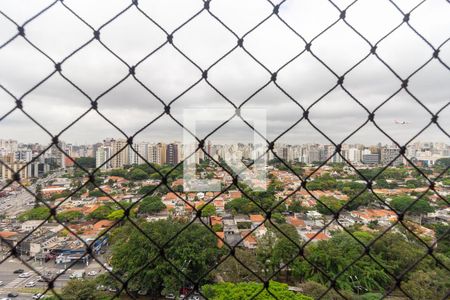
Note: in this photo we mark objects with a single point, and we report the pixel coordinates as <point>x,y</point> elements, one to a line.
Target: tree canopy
<point>194,251</point>
<point>138,174</point>
<point>401,203</point>
<point>151,205</point>
<point>86,162</point>
<point>331,202</point>
<point>248,290</point>
<point>37,213</point>
<point>208,210</point>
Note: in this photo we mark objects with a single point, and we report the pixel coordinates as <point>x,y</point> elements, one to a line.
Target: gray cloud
<point>167,73</point>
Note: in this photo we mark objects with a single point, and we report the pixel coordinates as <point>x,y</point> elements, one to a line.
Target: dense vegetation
<point>244,290</point>
<point>194,251</point>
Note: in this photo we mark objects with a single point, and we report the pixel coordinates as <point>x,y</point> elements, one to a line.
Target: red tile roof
<point>7,234</point>
<point>256,218</point>
<point>296,222</point>
<point>321,236</point>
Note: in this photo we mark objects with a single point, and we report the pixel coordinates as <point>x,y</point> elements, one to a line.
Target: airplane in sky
<point>401,122</point>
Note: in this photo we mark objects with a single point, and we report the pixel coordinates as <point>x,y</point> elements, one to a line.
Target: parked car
<point>170,296</point>
<point>30,284</point>
<point>43,279</point>
<point>92,273</point>
<point>37,296</point>
<point>77,275</point>
<point>19,271</point>
<point>13,295</point>
<point>25,275</point>
<point>109,268</point>
<point>1,283</point>
<point>5,299</point>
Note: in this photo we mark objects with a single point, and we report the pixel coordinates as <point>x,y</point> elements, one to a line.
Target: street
<point>13,283</point>
<point>22,200</point>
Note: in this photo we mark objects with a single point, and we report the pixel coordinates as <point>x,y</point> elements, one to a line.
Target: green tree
<point>208,210</point>
<point>101,212</point>
<point>231,270</point>
<point>70,216</point>
<point>278,218</point>
<point>442,163</point>
<point>285,249</point>
<point>430,284</point>
<point>85,289</point>
<point>96,193</point>
<point>86,162</point>
<point>138,174</point>
<point>151,205</point>
<point>365,199</point>
<point>63,194</point>
<point>250,290</point>
<point>443,246</point>
<point>331,202</point>
<point>119,173</point>
<point>337,254</point>
<point>37,213</point>
<point>116,215</point>
<point>315,290</point>
<point>296,207</point>
<point>194,251</point>
<point>217,227</point>
<point>414,183</point>
<point>146,189</point>
<point>401,203</point>
<point>242,206</point>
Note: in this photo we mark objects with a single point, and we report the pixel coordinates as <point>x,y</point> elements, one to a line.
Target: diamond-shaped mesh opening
<point>338,219</point>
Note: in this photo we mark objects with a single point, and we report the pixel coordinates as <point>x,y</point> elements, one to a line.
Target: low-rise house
<point>215,220</point>
<point>50,190</point>
<point>382,216</point>
<point>249,241</point>
<point>241,218</point>
<point>221,237</point>
<point>314,236</point>
<point>297,223</point>
<point>7,239</point>
<point>219,204</point>
<point>256,220</point>
<point>30,225</point>
<point>234,194</point>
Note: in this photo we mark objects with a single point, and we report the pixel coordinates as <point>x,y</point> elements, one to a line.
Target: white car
<point>25,275</point>
<point>1,283</point>
<point>30,284</point>
<point>38,296</point>
<point>92,273</point>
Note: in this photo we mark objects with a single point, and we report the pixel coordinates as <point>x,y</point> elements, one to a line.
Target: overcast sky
<point>56,103</point>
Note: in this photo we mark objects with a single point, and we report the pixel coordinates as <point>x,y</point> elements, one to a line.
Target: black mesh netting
<point>164,247</point>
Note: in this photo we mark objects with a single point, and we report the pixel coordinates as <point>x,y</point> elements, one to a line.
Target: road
<point>13,283</point>
<point>22,200</point>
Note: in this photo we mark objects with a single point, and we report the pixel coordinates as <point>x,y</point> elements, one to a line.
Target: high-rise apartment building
<point>388,154</point>
<point>172,154</point>
<point>119,153</point>
<point>102,155</point>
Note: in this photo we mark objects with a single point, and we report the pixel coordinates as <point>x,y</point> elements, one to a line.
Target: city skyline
<point>33,161</point>
<point>136,141</point>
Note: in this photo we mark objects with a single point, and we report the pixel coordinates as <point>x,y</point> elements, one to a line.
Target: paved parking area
<point>13,283</point>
